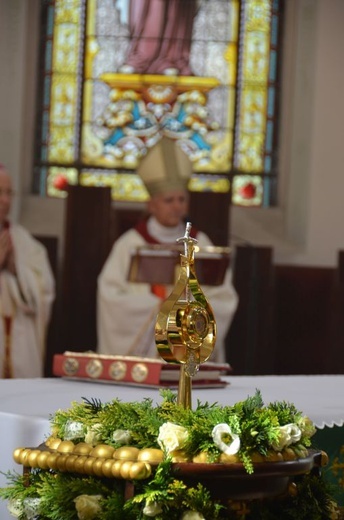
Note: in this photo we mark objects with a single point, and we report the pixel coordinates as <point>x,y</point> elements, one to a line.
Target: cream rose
<point>87,506</point>
<point>73,430</point>
<point>307,427</point>
<point>152,509</point>
<point>122,436</point>
<point>31,507</point>
<point>92,435</point>
<point>227,441</point>
<point>15,507</point>
<point>172,437</point>
<point>288,434</point>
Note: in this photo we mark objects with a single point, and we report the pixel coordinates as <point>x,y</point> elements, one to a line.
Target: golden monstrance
<point>185,330</point>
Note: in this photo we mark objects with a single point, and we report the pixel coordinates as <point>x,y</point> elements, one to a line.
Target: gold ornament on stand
<point>185,330</point>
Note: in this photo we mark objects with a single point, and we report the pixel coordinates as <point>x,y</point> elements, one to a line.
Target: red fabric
<point>159,291</point>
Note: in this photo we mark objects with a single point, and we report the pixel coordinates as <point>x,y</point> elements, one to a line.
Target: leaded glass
<point>114,80</point>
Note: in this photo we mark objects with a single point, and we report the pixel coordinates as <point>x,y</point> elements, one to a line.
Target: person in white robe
<point>27,291</point>
<point>127,311</point>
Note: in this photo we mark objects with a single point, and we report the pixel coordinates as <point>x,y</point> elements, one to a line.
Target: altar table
<point>27,404</point>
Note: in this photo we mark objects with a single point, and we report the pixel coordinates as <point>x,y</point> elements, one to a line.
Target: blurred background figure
<point>27,290</point>
<point>126,311</point>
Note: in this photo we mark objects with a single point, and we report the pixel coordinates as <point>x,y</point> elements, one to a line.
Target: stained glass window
<point>115,75</point>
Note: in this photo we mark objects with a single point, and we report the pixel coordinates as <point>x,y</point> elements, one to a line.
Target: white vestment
<point>126,311</point>
<point>26,300</point>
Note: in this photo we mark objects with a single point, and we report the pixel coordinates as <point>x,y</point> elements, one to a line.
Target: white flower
<point>31,507</point>
<point>122,436</point>
<point>87,506</point>
<point>288,434</point>
<point>152,509</point>
<point>307,427</point>
<point>172,436</point>
<point>92,435</point>
<point>15,507</point>
<point>192,515</point>
<point>73,430</point>
<point>222,432</point>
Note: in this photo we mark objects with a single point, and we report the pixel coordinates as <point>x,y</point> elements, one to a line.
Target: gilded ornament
<point>257,457</point>
<point>102,450</point>
<point>324,458</point>
<point>229,459</point>
<point>42,459</point>
<point>98,467</point>
<point>126,453</point>
<point>53,443</point>
<point>179,456</point>
<point>88,466</point>
<point>139,471</point>
<point>292,489</point>
<point>94,368</point>
<point>82,448</point>
<point>117,370</point>
<point>116,469</point>
<point>139,372</point>
<point>23,456</point>
<point>107,467</point>
<point>70,366</point>
<point>289,454</point>
<point>125,469</point>
<point>66,447</point>
<point>17,455</point>
<point>185,328</point>
<point>201,458</point>
<point>52,460</point>
<point>151,455</point>
<point>79,463</point>
<point>61,461</point>
<point>32,458</point>
<point>274,456</point>
<point>70,462</point>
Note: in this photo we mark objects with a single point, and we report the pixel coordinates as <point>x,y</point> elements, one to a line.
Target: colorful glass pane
<point>58,179</point>
<point>247,190</point>
<point>186,92</point>
<point>64,94</point>
<point>117,76</point>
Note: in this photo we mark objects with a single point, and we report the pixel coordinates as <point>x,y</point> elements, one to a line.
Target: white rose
<point>288,434</point>
<point>31,507</point>
<point>73,430</point>
<point>192,515</point>
<point>307,427</point>
<point>152,509</point>
<point>122,437</point>
<point>15,507</point>
<point>172,436</point>
<point>221,434</point>
<point>92,435</point>
<point>87,506</point>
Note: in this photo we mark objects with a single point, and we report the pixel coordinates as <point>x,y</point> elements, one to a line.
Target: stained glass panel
<point>118,75</point>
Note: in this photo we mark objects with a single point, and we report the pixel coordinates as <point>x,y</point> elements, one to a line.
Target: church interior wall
<point>305,227</point>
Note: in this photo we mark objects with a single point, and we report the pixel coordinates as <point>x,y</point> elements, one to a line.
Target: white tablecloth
<point>27,404</point>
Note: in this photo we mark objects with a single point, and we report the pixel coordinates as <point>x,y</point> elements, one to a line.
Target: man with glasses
<point>27,290</point>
